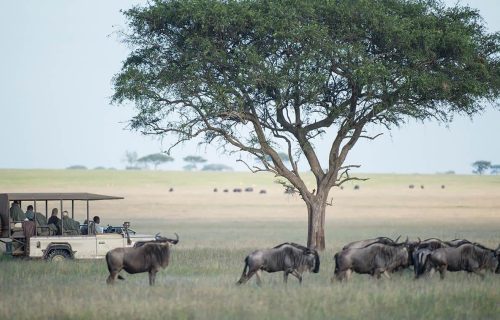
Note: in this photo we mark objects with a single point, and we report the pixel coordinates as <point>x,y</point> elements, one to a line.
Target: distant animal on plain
<point>262,191</point>
<point>249,189</point>
<point>356,187</point>
<point>237,190</point>
<point>145,256</point>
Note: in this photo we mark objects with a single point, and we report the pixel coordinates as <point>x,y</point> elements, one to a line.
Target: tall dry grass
<point>218,230</point>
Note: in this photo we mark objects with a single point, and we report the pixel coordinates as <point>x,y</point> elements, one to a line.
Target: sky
<point>57,61</point>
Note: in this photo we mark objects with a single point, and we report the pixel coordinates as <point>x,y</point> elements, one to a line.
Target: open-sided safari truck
<point>69,239</point>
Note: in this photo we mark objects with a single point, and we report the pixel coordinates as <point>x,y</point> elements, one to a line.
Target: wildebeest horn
<point>172,241</point>
<point>157,236</point>
<point>419,240</point>
<point>395,241</point>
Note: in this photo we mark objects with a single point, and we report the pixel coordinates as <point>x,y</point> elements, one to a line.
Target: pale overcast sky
<point>56,63</point>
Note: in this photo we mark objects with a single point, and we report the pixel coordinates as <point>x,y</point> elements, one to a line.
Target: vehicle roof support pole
<point>73,209</point>
<point>46,209</point>
<point>88,219</point>
<point>62,217</point>
<point>34,217</point>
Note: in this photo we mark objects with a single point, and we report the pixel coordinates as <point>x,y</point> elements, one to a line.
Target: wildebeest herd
<point>376,257</point>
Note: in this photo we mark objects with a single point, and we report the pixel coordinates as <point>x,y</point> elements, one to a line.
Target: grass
<point>217,230</point>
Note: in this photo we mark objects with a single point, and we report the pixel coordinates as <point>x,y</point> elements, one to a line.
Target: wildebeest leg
<point>377,272</point>
<point>244,278</point>
<point>442,271</point>
<point>297,275</point>
<point>385,273</point>
<point>257,275</point>
<point>111,277</point>
<point>479,273</point>
<point>152,277</point>
<point>285,276</point>
<point>348,274</point>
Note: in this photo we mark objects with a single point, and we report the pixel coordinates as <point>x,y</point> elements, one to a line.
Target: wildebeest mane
<point>293,244</point>
<point>156,252</point>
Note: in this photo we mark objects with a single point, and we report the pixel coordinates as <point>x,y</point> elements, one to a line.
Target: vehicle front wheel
<point>58,255</point>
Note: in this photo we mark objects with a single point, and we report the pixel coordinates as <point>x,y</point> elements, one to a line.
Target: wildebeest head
<point>159,238</point>
<point>313,261</point>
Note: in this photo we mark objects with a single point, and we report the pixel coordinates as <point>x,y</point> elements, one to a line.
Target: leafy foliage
<point>481,166</point>
<point>156,159</point>
<point>269,76</point>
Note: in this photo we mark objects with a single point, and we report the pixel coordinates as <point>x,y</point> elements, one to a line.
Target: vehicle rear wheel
<point>58,255</point>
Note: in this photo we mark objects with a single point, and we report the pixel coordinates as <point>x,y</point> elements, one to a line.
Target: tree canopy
<point>269,76</point>
<point>481,166</point>
<point>156,159</point>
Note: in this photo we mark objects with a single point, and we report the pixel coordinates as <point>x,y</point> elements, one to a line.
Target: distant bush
<point>133,168</point>
<point>77,167</point>
<point>99,168</point>
<point>216,167</point>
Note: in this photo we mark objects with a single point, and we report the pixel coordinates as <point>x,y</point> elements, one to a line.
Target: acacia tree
<point>156,159</point>
<point>264,76</point>
<point>481,166</point>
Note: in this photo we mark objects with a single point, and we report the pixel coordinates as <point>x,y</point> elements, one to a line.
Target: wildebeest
<point>291,258</point>
<point>364,243</point>
<point>424,248</point>
<point>466,257</point>
<point>374,259</point>
<point>145,256</point>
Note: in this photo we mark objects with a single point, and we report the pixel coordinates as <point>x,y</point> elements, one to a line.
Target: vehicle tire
<point>58,255</point>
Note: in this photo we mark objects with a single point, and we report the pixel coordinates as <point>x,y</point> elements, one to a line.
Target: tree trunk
<point>316,224</point>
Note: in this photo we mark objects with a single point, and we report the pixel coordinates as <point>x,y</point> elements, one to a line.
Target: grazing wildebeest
<point>374,259</point>
<point>262,191</point>
<point>145,256</point>
<point>364,243</point>
<point>237,190</point>
<point>249,189</point>
<point>426,247</point>
<point>466,257</point>
<point>291,258</point>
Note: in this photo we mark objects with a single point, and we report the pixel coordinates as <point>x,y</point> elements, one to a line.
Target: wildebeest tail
<point>336,258</point>
<point>316,262</point>
<point>421,263</point>
<point>244,273</point>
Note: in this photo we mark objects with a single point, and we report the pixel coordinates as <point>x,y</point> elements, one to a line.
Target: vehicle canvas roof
<point>57,196</point>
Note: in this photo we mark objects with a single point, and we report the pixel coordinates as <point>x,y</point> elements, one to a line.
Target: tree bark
<point>316,224</point>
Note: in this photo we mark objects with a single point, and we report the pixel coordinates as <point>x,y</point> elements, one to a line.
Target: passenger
<point>54,221</point>
<point>94,227</point>
<point>85,227</point>
<point>70,226</point>
<point>16,213</point>
<point>30,214</point>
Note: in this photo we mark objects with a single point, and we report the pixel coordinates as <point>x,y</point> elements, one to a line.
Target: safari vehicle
<point>37,239</point>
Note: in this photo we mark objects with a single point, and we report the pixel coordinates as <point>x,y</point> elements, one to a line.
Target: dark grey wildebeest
<point>374,259</point>
<point>466,257</point>
<point>364,243</point>
<point>146,256</point>
<point>291,258</point>
<point>424,248</point>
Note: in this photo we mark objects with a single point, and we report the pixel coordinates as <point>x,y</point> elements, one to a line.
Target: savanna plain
<point>218,229</point>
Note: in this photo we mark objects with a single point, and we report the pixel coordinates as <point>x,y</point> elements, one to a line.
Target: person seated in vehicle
<point>30,214</point>
<point>70,226</point>
<point>16,213</point>
<point>94,227</point>
<point>54,222</point>
<point>42,226</point>
<point>84,229</point>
